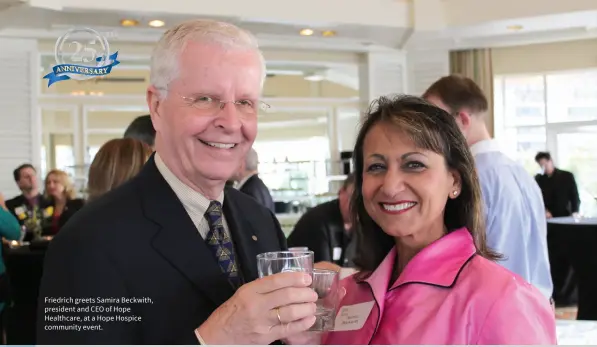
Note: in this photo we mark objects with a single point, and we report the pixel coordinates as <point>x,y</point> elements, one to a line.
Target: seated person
<point>427,275</point>
<point>61,194</point>
<point>116,162</point>
<point>326,229</point>
<point>28,207</point>
<point>30,200</point>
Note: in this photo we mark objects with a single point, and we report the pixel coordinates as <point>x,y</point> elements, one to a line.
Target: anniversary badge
<point>81,54</point>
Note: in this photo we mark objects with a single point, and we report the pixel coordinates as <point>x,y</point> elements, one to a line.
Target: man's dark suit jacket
<point>20,200</point>
<point>138,242</point>
<point>255,188</point>
<point>321,229</point>
<point>560,193</point>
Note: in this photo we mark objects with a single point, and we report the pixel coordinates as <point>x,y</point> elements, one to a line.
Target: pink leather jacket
<point>447,295</point>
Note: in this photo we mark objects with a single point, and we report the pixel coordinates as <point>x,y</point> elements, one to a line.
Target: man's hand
<point>548,214</point>
<point>263,311</point>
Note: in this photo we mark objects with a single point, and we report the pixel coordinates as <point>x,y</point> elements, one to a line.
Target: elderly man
<point>516,225</point>
<point>170,257</point>
<point>248,181</point>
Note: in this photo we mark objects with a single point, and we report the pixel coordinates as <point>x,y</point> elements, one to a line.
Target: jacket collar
<point>438,264</point>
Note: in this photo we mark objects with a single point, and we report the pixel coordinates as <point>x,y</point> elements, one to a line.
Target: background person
<point>515,218</point>
<point>560,193</point>
<point>116,162</point>
<point>248,181</point>
<point>326,229</point>
<point>141,128</point>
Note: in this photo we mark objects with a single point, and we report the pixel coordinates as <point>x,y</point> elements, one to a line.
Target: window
<point>556,112</point>
<point>524,101</point>
<point>572,97</point>
<point>65,159</point>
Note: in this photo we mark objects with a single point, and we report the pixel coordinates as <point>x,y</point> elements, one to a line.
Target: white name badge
<point>353,317</point>
<point>337,253</point>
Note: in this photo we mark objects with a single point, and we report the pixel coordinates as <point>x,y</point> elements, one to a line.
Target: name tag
<point>353,317</point>
<point>19,210</point>
<point>337,253</point>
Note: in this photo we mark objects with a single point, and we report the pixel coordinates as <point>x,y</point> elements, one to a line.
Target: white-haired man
<point>169,258</point>
<point>248,181</point>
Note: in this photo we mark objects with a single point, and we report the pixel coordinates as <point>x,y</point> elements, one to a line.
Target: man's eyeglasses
<point>208,103</point>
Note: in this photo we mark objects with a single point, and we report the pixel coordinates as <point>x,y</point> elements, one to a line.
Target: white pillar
<point>333,132</point>
<point>20,121</point>
<point>381,74</point>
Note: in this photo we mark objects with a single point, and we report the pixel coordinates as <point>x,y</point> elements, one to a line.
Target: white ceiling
<point>411,24</point>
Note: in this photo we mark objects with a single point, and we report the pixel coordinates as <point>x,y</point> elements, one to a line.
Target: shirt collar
<point>437,264</point>
<point>485,146</point>
<point>187,195</point>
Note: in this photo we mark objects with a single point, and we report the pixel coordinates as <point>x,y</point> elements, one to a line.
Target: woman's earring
<point>455,193</point>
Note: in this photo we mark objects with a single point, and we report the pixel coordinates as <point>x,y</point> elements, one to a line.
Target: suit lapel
<point>177,238</point>
<point>244,235</point>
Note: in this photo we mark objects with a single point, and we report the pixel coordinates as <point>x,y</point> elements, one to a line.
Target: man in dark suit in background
<point>326,229</point>
<point>170,256</point>
<point>561,199</point>
<point>248,181</point>
<point>30,200</point>
<point>560,193</point>
<point>141,128</point>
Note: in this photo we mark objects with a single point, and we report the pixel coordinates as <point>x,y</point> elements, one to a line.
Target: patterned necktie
<point>220,243</point>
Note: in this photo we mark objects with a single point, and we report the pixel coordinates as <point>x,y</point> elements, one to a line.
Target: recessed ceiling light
<point>514,27</point>
<point>156,23</point>
<point>306,32</point>
<point>129,22</point>
<point>328,33</point>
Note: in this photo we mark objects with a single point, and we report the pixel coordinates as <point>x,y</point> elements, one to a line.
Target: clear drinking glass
<point>286,261</point>
<point>298,249</point>
<point>326,285</point>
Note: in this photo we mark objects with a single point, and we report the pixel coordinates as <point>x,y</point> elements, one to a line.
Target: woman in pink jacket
<point>427,275</point>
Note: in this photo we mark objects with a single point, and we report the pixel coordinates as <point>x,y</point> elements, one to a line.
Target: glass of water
<point>271,263</point>
<point>326,285</point>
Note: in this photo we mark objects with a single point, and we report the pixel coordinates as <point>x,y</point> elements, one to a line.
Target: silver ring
<point>278,314</point>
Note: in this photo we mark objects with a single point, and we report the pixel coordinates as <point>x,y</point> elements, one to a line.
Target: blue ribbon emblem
<point>59,72</point>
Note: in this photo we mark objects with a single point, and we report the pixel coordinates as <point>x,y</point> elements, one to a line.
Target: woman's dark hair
<point>430,128</point>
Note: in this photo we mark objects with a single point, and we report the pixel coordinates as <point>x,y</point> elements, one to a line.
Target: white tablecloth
<point>576,332</point>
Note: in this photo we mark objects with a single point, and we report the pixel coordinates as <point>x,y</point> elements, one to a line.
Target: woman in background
<point>427,276</point>
<point>116,162</point>
<point>60,193</point>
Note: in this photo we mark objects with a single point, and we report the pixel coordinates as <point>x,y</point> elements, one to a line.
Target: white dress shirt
<point>194,202</point>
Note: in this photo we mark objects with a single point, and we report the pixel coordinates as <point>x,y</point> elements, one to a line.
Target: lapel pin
<point>254,238</point>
